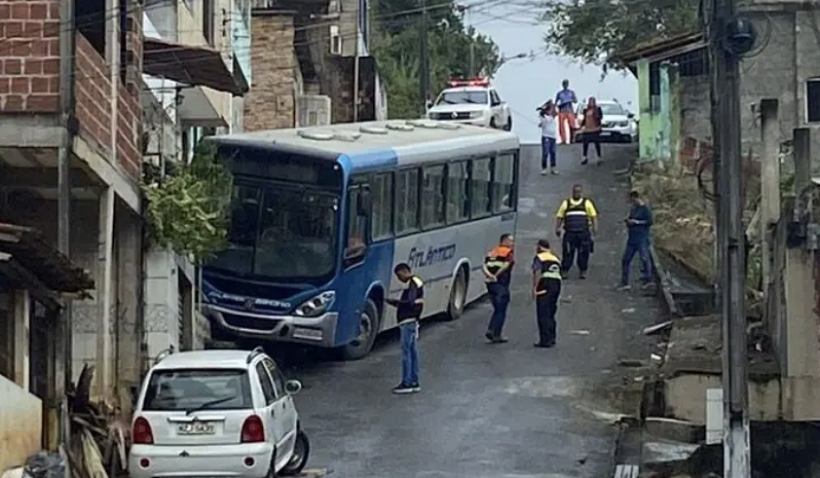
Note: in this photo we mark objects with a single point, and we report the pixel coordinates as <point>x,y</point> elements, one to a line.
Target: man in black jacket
<point>409,308</point>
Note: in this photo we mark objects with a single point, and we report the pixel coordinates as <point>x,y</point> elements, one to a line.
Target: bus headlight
<point>317,305</point>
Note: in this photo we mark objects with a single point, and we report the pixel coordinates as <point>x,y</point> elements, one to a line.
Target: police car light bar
<point>469,82</point>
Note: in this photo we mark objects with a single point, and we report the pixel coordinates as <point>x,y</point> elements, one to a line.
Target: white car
<point>617,126</point>
<point>472,102</point>
<point>225,413</point>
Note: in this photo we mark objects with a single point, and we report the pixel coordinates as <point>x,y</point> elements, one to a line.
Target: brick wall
<point>29,56</point>
<point>270,103</point>
<point>93,104</point>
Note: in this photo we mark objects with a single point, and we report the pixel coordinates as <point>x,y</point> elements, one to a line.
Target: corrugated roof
<point>660,47</point>
<point>28,247</point>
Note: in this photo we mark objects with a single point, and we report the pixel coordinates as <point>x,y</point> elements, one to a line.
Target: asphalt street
<point>495,411</point>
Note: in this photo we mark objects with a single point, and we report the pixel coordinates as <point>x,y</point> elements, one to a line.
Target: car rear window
<point>198,389</point>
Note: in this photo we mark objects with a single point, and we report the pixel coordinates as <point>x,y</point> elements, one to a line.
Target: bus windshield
<point>279,232</point>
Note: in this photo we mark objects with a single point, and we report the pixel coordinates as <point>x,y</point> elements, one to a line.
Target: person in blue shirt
<point>565,101</point>
<point>409,308</point>
<point>639,225</point>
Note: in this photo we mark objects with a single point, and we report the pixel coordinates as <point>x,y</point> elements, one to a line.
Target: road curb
<point>665,293</point>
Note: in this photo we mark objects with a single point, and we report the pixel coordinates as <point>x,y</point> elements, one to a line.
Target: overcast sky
<point>526,83</point>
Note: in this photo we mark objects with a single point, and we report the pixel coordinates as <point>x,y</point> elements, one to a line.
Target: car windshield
<point>281,233</point>
<point>461,97</point>
<point>612,109</point>
<point>198,389</point>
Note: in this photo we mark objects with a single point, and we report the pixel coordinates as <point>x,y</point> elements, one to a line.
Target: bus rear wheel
<point>368,329</point>
<point>458,296</point>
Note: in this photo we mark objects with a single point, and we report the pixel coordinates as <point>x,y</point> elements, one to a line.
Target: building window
<point>503,181</point>
<point>407,201</point>
<point>813,100</point>
<point>6,335</point>
<point>458,187</point>
<point>208,21</point>
<point>655,87</point>
<point>480,192</point>
<point>692,63</point>
<point>432,197</point>
<point>92,16</point>
<point>382,191</point>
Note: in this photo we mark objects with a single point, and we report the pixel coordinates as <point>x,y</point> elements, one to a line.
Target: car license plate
<point>195,428</point>
<point>308,334</point>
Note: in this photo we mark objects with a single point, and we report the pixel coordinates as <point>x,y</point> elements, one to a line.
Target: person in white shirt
<point>549,133</point>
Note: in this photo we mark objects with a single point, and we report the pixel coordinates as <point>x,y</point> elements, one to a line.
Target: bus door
<point>356,273</point>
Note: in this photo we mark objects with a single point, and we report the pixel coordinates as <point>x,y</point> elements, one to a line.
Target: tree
<point>396,48</point>
<point>593,31</point>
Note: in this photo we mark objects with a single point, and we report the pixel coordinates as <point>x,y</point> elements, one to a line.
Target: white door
<point>272,433</point>
<point>283,412</point>
<point>497,109</point>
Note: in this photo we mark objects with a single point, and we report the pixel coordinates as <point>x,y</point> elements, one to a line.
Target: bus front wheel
<point>368,329</point>
<point>458,296</point>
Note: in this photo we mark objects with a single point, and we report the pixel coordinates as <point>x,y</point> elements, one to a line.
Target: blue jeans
<point>409,354</point>
<point>500,298</point>
<point>642,249</point>
<point>547,152</point>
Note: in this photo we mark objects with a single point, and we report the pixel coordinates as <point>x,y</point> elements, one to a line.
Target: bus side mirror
<point>363,203</point>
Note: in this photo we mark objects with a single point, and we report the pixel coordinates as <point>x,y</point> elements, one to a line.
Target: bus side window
<point>482,181</point>
<point>356,228</point>
<point>503,181</point>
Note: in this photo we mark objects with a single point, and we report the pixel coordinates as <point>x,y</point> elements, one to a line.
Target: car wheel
<point>301,452</point>
<point>369,322</point>
<point>458,296</point>
<point>508,126</point>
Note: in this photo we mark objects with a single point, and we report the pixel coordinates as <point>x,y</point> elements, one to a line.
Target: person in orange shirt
<point>497,274</point>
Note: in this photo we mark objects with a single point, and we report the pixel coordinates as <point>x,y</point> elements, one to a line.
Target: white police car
<point>473,102</point>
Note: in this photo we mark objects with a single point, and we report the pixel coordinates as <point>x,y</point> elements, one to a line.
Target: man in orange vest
<point>497,274</point>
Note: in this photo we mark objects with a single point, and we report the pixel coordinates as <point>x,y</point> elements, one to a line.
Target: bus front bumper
<point>318,331</point>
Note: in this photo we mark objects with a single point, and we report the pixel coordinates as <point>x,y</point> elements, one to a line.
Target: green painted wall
<point>657,118</point>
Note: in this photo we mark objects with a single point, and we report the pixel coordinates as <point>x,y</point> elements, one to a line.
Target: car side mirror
<point>630,115</point>
<point>292,387</point>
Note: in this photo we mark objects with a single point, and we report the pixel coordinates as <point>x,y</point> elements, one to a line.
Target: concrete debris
<point>656,357</point>
<point>654,329</point>
<point>579,332</point>
<point>630,310</point>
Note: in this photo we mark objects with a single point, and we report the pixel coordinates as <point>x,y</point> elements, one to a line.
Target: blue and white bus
<point>321,215</point>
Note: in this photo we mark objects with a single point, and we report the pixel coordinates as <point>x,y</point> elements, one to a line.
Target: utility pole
<point>63,373</point>
<point>424,61</point>
<point>356,62</point>
<point>730,234</point>
<point>472,59</point>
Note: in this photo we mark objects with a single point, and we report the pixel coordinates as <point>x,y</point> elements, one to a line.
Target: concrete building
<point>197,67</point>
<point>674,83</point>
<point>105,164</point>
<point>675,125</point>
<point>305,56</point>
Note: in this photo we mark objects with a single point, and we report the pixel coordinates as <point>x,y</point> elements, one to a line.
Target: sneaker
<point>489,336</point>
<point>543,172</point>
<point>403,389</point>
<point>499,340</point>
<point>416,388</point>
<point>624,287</point>
<point>547,345</point>
<point>554,172</point>
<point>585,161</point>
<point>582,276</point>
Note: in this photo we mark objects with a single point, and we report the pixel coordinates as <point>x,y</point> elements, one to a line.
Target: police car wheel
<point>458,296</point>
<point>368,328</point>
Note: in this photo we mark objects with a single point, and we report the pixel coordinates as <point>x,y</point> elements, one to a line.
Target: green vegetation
<point>187,209</point>
<point>592,31</point>
<point>396,46</point>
